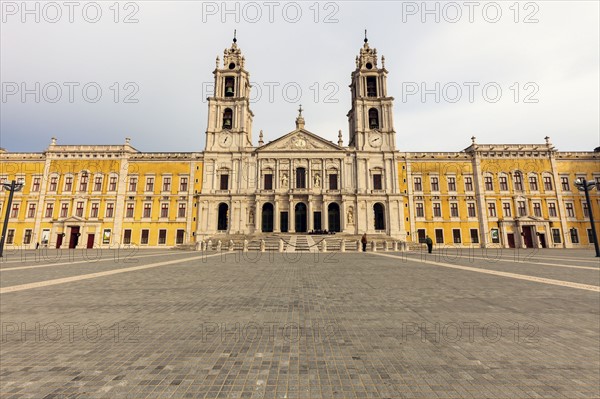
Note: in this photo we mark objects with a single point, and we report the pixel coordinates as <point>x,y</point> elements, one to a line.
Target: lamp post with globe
<point>11,188</point>
<point>585,186</point>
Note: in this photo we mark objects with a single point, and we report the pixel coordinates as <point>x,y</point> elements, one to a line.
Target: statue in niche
<point>317,180</point>
<point>251,217</point>
<point>350,215</point>
<point>284,180</point>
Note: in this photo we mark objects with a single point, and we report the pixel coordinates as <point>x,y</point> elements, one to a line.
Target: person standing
<point>363,240</point>
<point>429,243</point>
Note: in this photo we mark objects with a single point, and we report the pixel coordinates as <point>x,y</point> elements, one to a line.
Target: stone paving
<point>300,325</point>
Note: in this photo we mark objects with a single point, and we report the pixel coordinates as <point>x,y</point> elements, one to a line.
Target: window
<point>468,183</point>
<point>112,183</point>
<point>452,184</point>
<point>586,212</point>
<point>547,183</point>
<point>179,237</point>
<point>503,183</point>
<point>147,210</point>
<point>53,184</point>
<point>31,211</point>
<point>333,181</point>
<point>10,236</point>
<point>597,179</point>
<point>98,183</point>
<point>110,209</point>
<point>419,210</point>
<point>183,184</point>
<point>492,209</point>
<point>518,181</point>
<point>521,208</point>
<point>127,236</point>
<point>489,183</point>
<point>229,86</point>
<point>36,184</point>
<point>64,210</point>
<point>15,211</point>
<point>435,185</point>
<point>590,236</point>
<point>129,210</point>
<point>166,184</point>
<point>162,236</point>
<point>537,209</point>
<point>418,184</point>
<point>145,234</point>
<point>474,236</point>
<point>79,209</point>
<point>439,236</point>
<point>506,210</point>
<point>149,184</point>
<point>574,236</point>
<point>454,209</point>
<point>456,236</point>
<point>471,210</point>
<point>371,86</point>
<point>27,237</point>
<point>94,210</point>
<point>68,183</point>
<point>377,184</point>
<point>133,184</point>
<point>49,210</point>
<point>83,182</point>
<point>181,210</point>
<point>300,178</point>
<point>373,119</point>
<point>552,210</point>
<point>164,210</point>
<point>570,210</point>
<point>227,118</point>
<point>533,185</point>
<point>564,183</point>
<point>437,210</point>
<point>224,182</point>
<point>556,236</point>
<point>268,181</point>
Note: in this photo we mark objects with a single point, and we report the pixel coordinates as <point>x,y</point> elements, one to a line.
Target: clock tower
<point>229,115</point>
<point>370,119</point>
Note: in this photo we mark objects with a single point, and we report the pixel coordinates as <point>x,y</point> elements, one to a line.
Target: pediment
<point>71,219</point>
<point>300,140</point>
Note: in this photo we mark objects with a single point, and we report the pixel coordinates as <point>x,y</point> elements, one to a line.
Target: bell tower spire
<point>229,115</point>
<point>370,118</point>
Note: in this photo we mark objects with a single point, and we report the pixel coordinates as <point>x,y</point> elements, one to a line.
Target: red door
<point>74,238</point>
<point>90,241</point>
<point>511,240</point>
<point>527,237</point>
<point>59,238</point>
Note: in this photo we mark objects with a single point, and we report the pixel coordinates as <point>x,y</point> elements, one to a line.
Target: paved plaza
<point>184,324</point>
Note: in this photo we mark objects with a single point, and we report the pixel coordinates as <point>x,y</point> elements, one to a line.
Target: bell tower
<point>229,115</point>
<point>370,119</point>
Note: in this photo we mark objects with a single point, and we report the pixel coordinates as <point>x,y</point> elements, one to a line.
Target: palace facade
<point>488,195</point>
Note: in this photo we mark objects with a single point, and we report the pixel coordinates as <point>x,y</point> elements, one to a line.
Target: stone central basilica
<point>301,182</point>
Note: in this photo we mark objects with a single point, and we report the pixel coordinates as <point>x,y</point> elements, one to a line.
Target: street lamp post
<point>11,188</point>
<point>585,186</point>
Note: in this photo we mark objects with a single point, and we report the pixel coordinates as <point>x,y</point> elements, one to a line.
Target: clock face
<point>375,140</point>
<point>225,140</point>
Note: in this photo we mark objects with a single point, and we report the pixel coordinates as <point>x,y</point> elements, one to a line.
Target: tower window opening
<point>227,118</point>
<point>371,86</point>
<point>229,87</point>
<point>373,119</point>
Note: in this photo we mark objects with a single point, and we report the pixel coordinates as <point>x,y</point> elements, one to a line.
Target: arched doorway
<point>379,211</point>
<point>267,218</point>
<point>300,213</point>
<point>223,220</point>
<point>333,217</point>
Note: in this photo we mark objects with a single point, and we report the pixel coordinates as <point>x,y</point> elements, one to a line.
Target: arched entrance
<point>333,217</point>
<point>267,218</point>
<point>223,220</point>
<point>379,211</point>
<point>300,217</point>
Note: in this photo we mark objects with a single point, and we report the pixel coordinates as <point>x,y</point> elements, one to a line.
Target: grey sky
<point>169,54</point>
